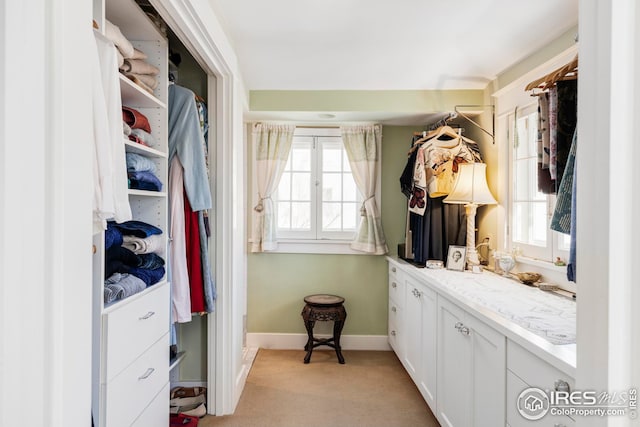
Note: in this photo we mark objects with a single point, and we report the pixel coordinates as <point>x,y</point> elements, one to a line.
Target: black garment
<point>567,117</point>
<point>119,260</point>
<point>443,224</point>
<point>406,179</point>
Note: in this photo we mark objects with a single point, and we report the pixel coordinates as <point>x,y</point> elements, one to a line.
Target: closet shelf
<point>134,96</point>
<point>134,147</point>
<point>177,360</point>
<point>134,23</point>
<point>146,193</point>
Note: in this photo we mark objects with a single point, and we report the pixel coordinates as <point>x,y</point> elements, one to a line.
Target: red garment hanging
<point>194,263</point>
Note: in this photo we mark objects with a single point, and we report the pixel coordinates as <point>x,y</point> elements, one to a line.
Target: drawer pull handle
<point>458,325</point>
<point>393,269</point>
<point>393,309</point>
<point>393,333</point>
<point>146,316</point>
<point>393,285</point>
<point>147,374</point>
<point>464,330</point>
<point>561,385</point>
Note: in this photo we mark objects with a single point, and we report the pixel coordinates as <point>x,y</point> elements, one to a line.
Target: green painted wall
<point>277,283</point>
<point>406,101</point>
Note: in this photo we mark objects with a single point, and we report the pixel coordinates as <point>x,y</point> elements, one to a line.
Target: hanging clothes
<point>194,260</point>
<point>185,140</point>
<point>567,115</point>
<point>442,224</point>
<point>179,275</point>
<point>111,199</point>
<point>545,184</point>
<point>435,225</point>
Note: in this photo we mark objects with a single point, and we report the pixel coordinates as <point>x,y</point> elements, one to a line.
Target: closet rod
<point>493,118</point>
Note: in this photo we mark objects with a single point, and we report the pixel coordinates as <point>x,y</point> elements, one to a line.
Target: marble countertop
<point>543,322</point>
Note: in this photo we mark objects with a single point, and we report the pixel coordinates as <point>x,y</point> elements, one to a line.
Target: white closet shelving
<point>131,336</point>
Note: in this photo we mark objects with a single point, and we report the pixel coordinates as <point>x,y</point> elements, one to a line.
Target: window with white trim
<point>531,210</point>
<point>317,198</point>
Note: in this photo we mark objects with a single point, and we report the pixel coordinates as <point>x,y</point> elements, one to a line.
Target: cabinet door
<point>454,405</point>
<point>488,373</point>
<point>427,384</point>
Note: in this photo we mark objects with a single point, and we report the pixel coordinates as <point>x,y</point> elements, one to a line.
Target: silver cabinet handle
<point>393,269</point>
<point>561,385</point>
<point>458,325</point>
<point>464,330</point>
<point>146,316</point>
<point>559,425</point>
<point>393,333</point>
<point>393,285</point>
<point>393,309</point>
<point>147,374</point>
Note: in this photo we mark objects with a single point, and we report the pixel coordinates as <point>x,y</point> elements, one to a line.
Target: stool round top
<point>325,300</point>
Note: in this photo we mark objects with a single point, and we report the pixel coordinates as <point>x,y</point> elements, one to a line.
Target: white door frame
<point>198,29</point>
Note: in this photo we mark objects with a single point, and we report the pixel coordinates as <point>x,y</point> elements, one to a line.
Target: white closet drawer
<point>533,370</point>
<point>515,386</point>
<point>394,325</point>
<point>396,287</point>
<point>157,413</point>
<point>133,327</point>
<point>133,390</point>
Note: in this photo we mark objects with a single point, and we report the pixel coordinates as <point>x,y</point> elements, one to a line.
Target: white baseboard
<point>297,341</point>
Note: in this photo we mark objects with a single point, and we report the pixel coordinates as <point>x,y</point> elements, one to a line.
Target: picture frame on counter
<point>456,258</point>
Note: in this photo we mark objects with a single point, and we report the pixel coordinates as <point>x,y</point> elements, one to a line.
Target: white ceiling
<point>384,44</point>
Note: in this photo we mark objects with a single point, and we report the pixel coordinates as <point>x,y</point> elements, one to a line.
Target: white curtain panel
<point>362,144</point>
<point>272,145</point>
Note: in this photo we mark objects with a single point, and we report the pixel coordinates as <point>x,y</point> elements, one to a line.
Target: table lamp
<point>470,189</point>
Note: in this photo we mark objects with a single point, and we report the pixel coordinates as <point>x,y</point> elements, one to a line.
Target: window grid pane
<point>318,167</point>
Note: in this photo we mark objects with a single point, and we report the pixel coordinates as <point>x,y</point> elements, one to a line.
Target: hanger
<point>566,72</point>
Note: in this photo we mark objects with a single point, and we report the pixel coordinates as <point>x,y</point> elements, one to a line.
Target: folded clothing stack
<point>136,127</point>
<point>142,173</point>
<point>131,61</point>
<point>129,271</point>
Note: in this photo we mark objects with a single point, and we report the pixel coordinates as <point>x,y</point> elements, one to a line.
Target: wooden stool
<point>324,308</point>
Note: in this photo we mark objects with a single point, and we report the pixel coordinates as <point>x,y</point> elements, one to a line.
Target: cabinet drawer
<point>533,370</point>
<point>396,288</point>
<point>133,327</point>
<point>515,386</point>
<point>394,326</point>
<point>134,388</point>
<point>157,413</point>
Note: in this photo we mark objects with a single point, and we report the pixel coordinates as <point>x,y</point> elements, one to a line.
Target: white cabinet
<point>131,335</point>
<point>471,369</point>
<point>525,370</point>
<point>469,363</point>
<point>421,335</point>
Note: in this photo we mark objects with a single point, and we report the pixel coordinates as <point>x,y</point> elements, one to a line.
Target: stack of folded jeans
<point>129,271</point>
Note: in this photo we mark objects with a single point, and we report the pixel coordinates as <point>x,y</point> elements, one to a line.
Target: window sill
<point>551,273</point>
<point>315,247</point>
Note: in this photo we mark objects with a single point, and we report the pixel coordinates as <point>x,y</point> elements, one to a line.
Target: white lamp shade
<point>471,186</point>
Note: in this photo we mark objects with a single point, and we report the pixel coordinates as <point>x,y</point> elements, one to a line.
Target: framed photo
<point>456,258</point>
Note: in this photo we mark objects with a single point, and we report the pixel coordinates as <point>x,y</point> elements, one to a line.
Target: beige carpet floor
<point>371,390</point>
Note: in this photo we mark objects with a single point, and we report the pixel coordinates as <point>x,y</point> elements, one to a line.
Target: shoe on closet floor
<point>188,391</point>
<point>187,401</point>
<point>199,411</point>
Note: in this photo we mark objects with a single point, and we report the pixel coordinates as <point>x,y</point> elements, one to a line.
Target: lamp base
<point>472,255</point>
